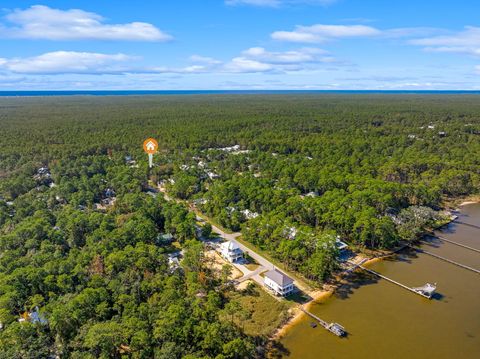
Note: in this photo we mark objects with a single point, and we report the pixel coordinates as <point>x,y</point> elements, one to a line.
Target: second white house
<point>280,283</point>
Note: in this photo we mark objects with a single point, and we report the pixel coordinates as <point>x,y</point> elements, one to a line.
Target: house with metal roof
<point>280,283</point>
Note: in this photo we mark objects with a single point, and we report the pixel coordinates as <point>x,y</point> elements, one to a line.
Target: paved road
<point>265,264</point>
<point>232,237</point>
<point>252,274</point>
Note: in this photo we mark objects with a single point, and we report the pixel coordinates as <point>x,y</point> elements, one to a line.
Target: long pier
<point>456,243</point>
<point>428,296</point>
<point>395,282</point>
<point>467,224</point>
<point>353,267</point>
<point>334,328</point>
<point>446,260</point>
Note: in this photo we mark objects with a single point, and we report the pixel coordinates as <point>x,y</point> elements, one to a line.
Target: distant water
<point>214,92</point>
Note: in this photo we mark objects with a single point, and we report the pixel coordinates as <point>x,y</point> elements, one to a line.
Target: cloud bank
<point>67,62</point>
<point>43,22</point>
<point>322,33</point>
<point>464,42</point>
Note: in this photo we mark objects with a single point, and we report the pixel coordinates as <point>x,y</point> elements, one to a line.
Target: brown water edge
<point>386,321</point>
<point>318,297</point>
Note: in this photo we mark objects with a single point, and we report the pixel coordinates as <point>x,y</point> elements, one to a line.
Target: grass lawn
<point>252,266</point>
<point>266,312</point>
<point>251,263</point>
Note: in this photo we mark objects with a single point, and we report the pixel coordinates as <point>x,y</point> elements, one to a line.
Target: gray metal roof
<point>278,277</point>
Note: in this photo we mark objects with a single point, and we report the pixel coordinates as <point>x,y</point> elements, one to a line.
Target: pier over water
<point>425,291</point>
<point>377,313</point>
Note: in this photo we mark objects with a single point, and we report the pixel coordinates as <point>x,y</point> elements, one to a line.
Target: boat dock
<point>334,328</point>
<point>353,267</point>
<point>426,291</point>
<point>446,260</point>
<point>467,224</point>
<point>456,243</point>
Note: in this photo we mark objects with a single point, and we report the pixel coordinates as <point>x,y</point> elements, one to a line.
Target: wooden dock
<point>446,260</point>
<point>414,290</point>
<point>395,282</point>
<point>467,224</point>
<point>456,243</point>
<point>353,267</point>
<point>334,328</point>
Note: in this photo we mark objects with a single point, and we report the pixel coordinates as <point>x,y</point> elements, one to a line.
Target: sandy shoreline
<point>317,296</point>
<point>467,203</point>
<point>297,314</point>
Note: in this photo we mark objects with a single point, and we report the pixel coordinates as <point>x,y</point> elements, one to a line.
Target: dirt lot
<point>218,262</point>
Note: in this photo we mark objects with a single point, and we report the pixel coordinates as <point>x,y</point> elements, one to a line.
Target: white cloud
<point>464,42</point>
<point>322,33</point>
<point>287,57</point>
<point>277,3</point>
<point>469,37</point>
<point>293,57</point>
<point>63,62</point>
<point>477,69</point>
<point>193,69</point>
<point>243,64</point>
<point>253,60</point>
<point>204,59</point>
<point>42,22</point>
<point>294,36</point>
<point>475,51</point>
<point>411,32</point>
<point>258,59</point>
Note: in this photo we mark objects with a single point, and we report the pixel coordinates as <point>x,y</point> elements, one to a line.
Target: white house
<point>230,251</point>
<point>280,283</point>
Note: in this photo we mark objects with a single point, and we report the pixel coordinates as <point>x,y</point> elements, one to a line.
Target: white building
<point>340,245</point>
<point>280,283</point>
<point>249,214</point>
<point>230,251</point>
<point>212,175</point>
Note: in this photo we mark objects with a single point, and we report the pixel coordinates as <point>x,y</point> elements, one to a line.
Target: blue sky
<point>240,44</point>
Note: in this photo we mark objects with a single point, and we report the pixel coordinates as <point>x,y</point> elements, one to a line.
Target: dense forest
<point>81,246</point>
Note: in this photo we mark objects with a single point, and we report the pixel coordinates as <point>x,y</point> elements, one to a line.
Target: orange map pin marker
<point>150,146</point>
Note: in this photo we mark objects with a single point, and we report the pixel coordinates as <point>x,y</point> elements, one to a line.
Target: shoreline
<point>317,297</point>
<point>466,203</point>
<point>321,295</point>
<point>460,202</point>
<point>297,315</point>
